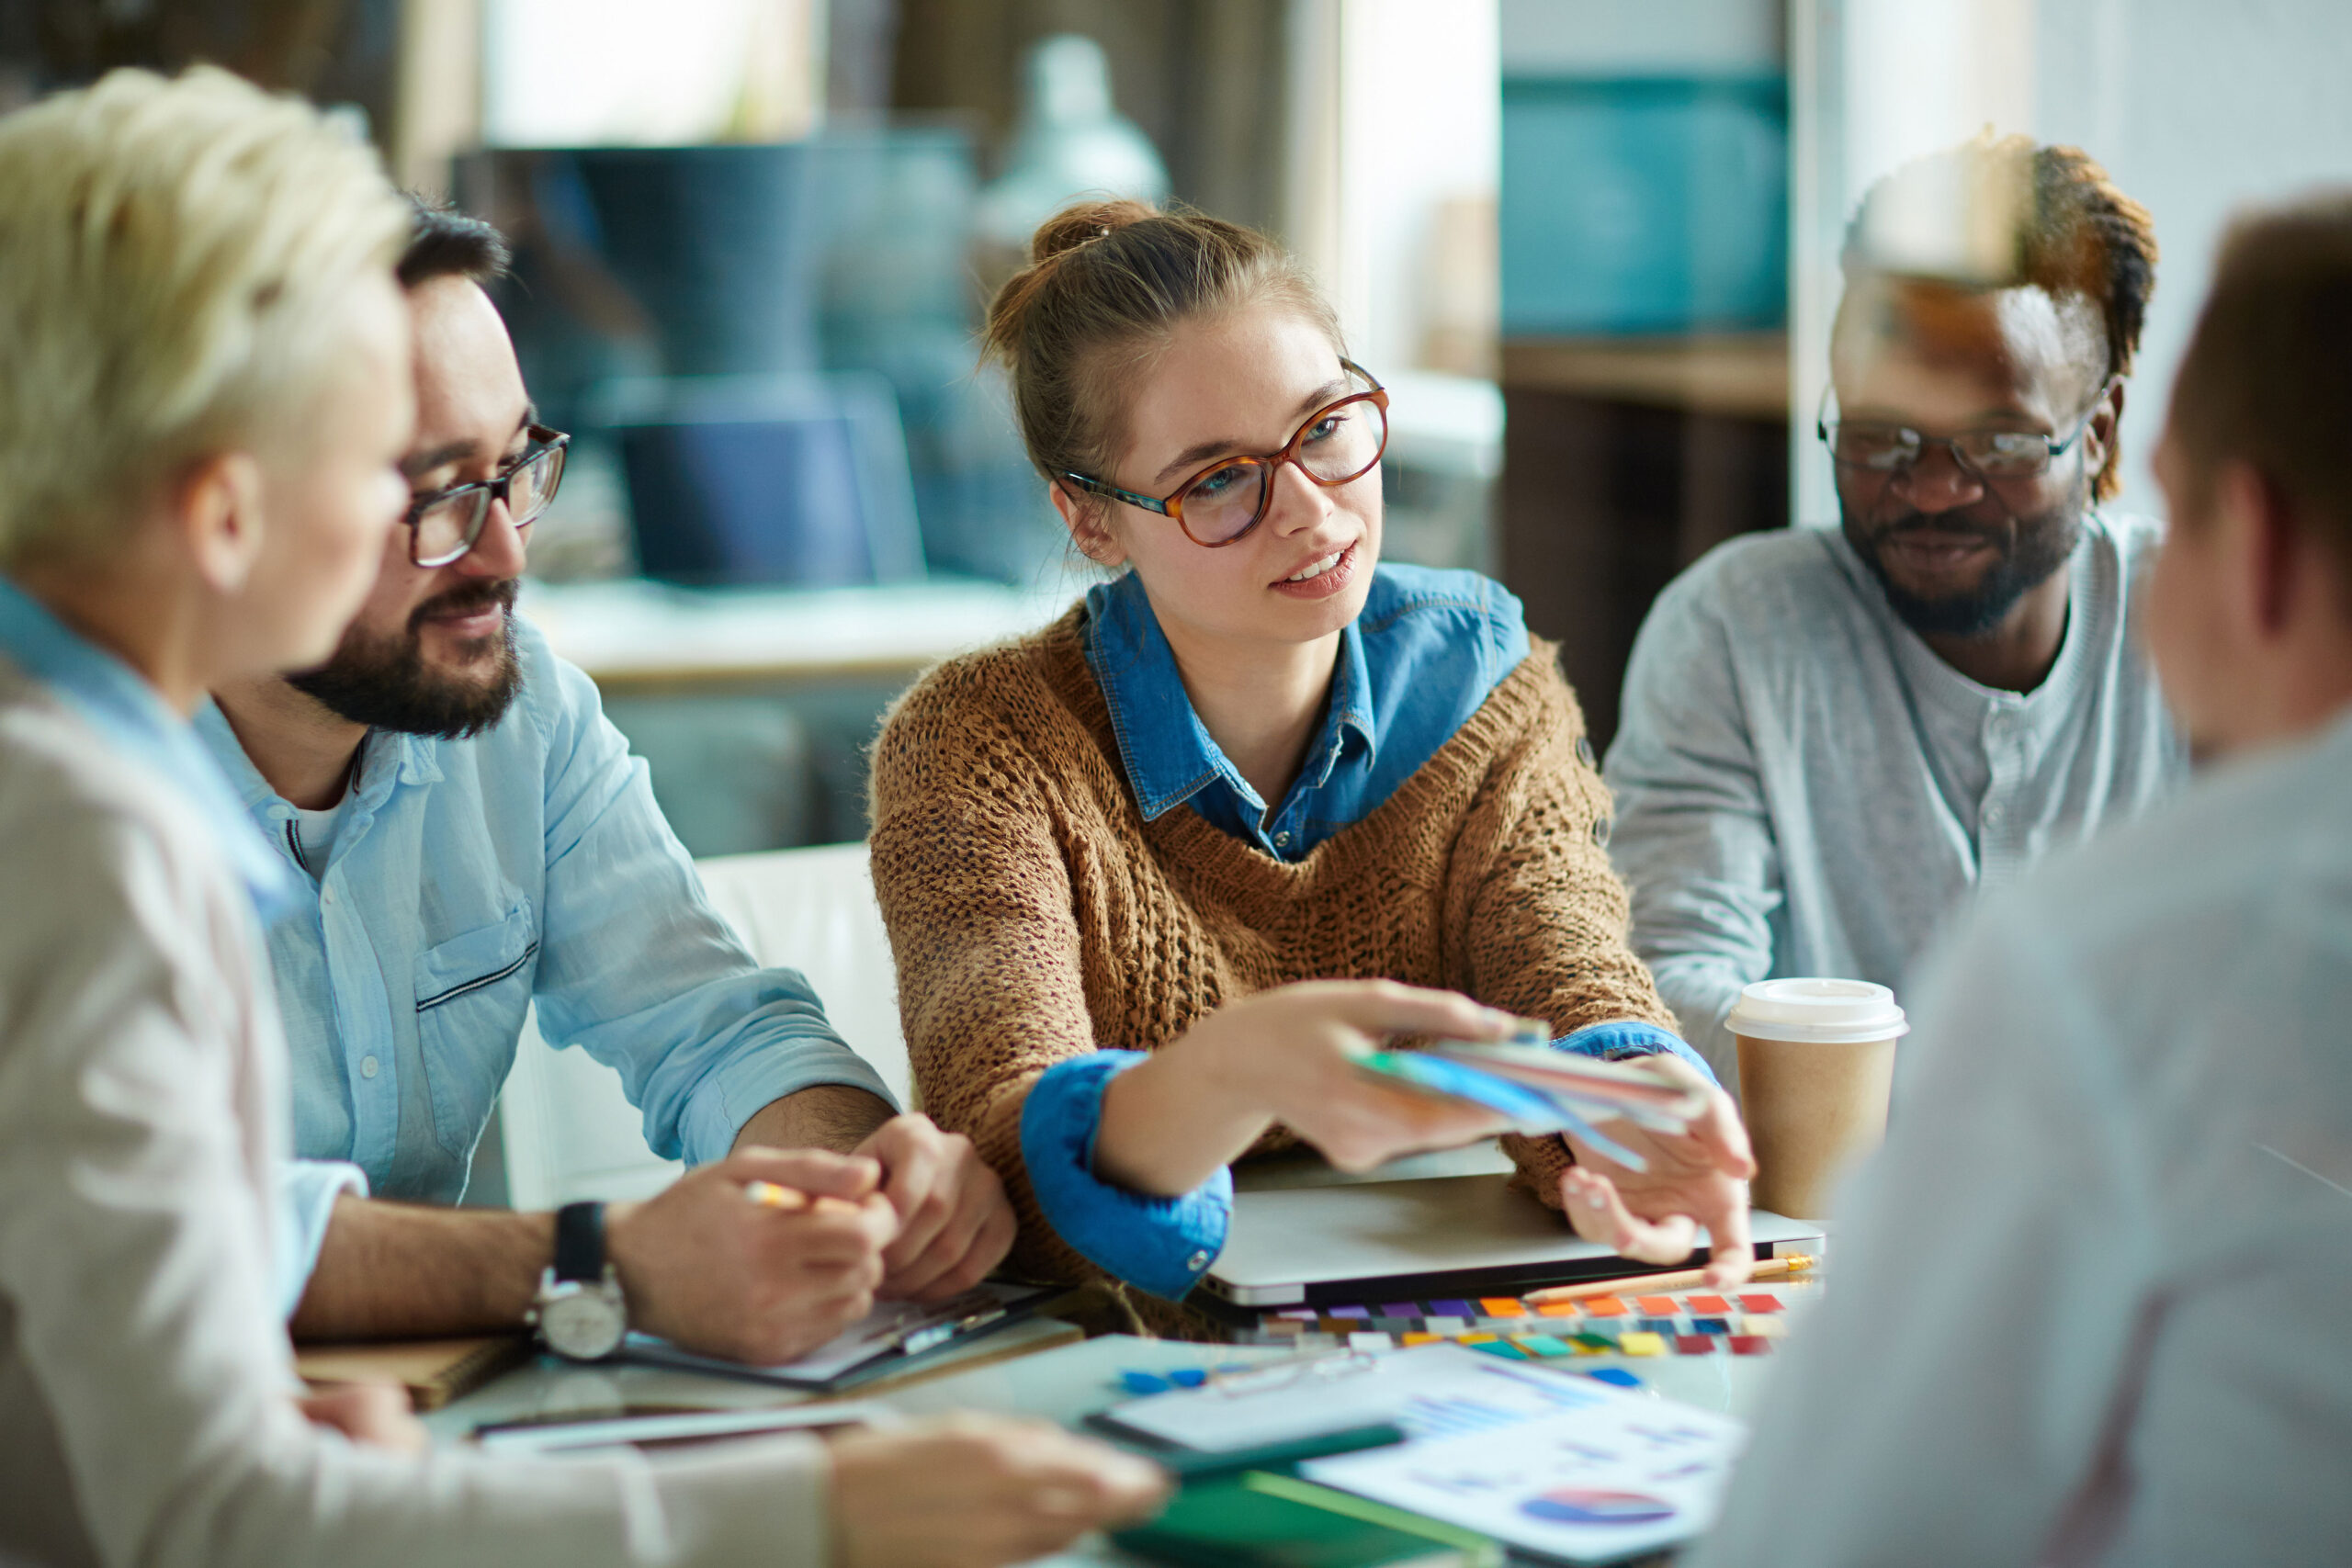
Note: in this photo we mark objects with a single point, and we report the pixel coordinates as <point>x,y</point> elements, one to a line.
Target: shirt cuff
<point>732,1094</point>
<point>1159,1245</point>
<point>307,1191</point>
<point>1627,1038</point>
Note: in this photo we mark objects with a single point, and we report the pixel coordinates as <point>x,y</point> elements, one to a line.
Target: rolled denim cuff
<point>1159,1245</point>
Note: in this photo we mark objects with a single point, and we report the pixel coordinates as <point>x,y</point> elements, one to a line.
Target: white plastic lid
<point>1826,1013</point>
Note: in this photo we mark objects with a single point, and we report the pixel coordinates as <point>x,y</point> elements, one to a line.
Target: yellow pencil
<point>791,1199</point>
<point>1650,1284</point>
<point>768,1195</point>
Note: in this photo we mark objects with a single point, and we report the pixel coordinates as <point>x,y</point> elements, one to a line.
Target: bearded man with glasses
<point>473,838</point>
<point>1833,736</point>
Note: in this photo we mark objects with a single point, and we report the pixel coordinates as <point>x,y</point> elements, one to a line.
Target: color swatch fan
<point>1546,1090</point>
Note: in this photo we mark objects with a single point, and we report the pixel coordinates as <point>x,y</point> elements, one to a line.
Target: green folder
<point>1259,1520</point>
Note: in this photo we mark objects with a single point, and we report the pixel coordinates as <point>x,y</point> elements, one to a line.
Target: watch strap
<point>580,1242</point>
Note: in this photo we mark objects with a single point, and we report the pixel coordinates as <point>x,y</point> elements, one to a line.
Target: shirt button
<point>367,1067</point>
<point>1993,815</point>
<point>1282,840</point>
<point>1198,1262</point>
<point>326,896</point>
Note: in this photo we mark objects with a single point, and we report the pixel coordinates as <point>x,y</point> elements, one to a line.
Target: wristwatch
<point>580,1310</point>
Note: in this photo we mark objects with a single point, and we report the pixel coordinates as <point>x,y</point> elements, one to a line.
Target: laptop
<point>1408,1240</point>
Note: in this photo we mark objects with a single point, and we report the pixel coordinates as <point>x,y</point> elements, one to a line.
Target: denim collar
<point>114,700</point>
<point>1168,754</point>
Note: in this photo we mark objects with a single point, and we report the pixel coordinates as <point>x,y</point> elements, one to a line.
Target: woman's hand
<point>973,1491</point>
<point>1697,1177</point>
<point>1289,1056</point>
<point>375,1414</point>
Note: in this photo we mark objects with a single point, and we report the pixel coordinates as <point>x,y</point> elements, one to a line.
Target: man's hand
<point>1696,1177</point>
<point>954,1223</point>
<point>978,1492</point>
<point>711,1270</point>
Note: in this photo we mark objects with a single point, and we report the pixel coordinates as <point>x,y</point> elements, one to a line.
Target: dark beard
<point>383,681</point>
<point>2031,549</point>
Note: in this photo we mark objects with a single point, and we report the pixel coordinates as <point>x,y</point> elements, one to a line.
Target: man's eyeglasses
<point>1884,448</point>
<point>1339,442</point>
<point>444,524</point>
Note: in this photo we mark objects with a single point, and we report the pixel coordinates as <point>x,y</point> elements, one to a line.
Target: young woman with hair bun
<point>1156,873</point>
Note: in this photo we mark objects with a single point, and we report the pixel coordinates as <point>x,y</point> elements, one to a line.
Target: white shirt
<point>146,1384</point>
<point>2093,1301</point>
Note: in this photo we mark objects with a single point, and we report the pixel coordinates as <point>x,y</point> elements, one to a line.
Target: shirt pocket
<point>472,994</point>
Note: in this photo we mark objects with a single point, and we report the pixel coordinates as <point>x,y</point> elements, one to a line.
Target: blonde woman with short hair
<point>204,389</point>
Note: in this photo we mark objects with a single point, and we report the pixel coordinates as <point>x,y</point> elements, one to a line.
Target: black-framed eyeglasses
<point>1882,447</point>
<point>1341,442</point>
<point>445,524</point>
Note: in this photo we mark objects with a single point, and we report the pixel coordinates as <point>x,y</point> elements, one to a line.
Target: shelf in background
<point>1742,375</point>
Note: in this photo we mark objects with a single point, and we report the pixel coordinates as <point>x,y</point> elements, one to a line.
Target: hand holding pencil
<point>758,1258</point>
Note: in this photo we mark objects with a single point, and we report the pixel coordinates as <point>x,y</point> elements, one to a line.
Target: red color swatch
<point>1711,1306</point>
<point>1759,1303</point>
<point>1750,1345</point>
<point>1656,1306</point>
<point>1694,1344</point>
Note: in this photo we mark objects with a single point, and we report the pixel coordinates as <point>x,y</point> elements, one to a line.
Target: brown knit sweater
<point>1035,916</point>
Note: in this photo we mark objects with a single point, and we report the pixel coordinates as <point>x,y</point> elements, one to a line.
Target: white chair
<point>568,1131</point>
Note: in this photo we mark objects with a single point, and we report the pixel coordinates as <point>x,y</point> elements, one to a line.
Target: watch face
<point>584,1321</point>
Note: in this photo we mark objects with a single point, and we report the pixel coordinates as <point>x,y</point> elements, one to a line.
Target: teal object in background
<point>1644,205</point>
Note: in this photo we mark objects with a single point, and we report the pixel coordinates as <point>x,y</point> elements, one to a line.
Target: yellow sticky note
<point>1641,1344</point>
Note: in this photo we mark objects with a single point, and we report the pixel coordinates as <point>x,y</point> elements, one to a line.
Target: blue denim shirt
<point>469,879</point>
<point>1420,658</point>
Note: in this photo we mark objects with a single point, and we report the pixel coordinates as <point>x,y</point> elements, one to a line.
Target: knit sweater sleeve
<point>968,839</point>
<point>1542,918</point>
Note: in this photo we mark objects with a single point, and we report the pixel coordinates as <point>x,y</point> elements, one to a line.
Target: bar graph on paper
<point>1506,1398</point>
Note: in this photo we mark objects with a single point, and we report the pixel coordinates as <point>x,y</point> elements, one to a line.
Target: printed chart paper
<point>1603,1475</point>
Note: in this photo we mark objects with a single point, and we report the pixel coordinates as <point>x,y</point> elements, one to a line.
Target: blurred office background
<point>1591,245</point>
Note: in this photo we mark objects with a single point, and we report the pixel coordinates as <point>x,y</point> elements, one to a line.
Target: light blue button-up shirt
<point>469,879</point>
<point>1423,657</point>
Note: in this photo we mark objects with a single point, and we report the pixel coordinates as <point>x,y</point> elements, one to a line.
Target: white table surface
<point>1064,1384</point>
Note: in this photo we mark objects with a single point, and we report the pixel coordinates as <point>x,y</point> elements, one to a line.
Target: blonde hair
<point>1107,284</point>
<point>177,255</point>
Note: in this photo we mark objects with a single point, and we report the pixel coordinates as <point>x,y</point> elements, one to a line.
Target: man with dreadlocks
<point>1832,737</point>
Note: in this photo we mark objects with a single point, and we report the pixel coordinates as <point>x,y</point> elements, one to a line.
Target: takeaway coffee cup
<point>1816,1064</point>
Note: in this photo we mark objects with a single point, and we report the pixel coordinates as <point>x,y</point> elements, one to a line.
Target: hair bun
<point>1081,222</point>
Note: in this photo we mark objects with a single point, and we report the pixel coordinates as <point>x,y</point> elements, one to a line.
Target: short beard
<point>2031,551</point>
<point>383,681</point>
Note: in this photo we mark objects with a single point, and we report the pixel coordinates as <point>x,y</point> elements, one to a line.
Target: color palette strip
<point>1691,1324</point>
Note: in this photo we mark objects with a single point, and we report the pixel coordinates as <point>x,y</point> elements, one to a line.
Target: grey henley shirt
<point>1804,787</point>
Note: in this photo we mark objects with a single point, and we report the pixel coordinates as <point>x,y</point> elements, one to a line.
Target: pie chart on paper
<point>1589,1506</point>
